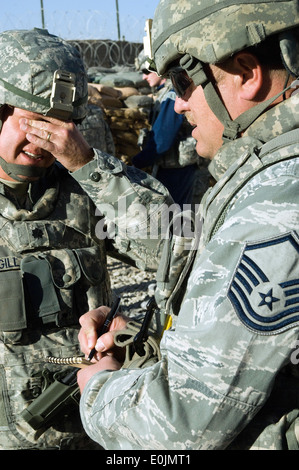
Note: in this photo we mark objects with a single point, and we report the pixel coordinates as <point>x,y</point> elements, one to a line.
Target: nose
<point>181,105</point>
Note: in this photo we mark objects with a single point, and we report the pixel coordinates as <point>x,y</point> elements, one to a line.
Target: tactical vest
<point>183,152</point>
<point>180,252</point>
<point>52,270</point>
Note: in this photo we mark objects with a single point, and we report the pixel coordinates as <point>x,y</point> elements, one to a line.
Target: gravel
<point>134,286</point>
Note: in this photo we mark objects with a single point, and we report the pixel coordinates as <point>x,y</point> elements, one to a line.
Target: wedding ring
<point>49,136</point>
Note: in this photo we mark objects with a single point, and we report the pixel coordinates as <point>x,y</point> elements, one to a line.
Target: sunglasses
<point>180,80</point>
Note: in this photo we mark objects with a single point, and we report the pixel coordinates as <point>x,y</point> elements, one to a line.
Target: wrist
<point>87,158</point>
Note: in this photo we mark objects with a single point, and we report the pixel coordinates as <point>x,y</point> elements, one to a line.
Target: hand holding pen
<point>71,378</point>
<point>113,312</point>
<point>107,361</point>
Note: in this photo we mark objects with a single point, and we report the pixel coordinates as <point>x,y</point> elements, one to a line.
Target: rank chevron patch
<point>264,290</point>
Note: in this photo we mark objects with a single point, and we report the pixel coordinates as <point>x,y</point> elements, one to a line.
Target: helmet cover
<point>28,62</point>
<point>213,31</point>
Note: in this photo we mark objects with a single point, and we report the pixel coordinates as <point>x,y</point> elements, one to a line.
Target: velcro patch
<point>9,262</point>
<point>265,288</point>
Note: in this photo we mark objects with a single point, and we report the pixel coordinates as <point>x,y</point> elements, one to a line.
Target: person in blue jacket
<point>168,147</point>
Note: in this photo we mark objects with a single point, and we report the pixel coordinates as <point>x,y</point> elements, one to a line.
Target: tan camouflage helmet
<point>141,62</point>
<point>193,32</point>
<point>42,73</point>
<point>212,30</point>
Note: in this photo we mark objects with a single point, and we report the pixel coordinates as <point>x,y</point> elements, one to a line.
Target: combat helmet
<point>42,73</point>
<point>196,32</point>
<point>141,63</point>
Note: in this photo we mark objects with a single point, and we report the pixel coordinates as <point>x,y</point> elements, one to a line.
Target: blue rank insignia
<point>265,288</point>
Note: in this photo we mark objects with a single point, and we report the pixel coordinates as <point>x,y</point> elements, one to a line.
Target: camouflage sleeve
<point>235,331</point>
<point>134,204</point>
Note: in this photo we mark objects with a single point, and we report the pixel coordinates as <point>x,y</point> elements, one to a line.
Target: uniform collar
<point>43,196</point>
<point>279,119</point>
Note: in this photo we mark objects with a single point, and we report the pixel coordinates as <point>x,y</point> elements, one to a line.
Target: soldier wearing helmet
<point>53,264</point>
<point>167,147</point>
<point>226,368</point>
<point>44,235</point>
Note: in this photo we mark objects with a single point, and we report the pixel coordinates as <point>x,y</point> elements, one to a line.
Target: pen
<point>105,327</point>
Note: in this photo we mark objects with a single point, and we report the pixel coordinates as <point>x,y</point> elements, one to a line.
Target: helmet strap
<point>233,128</point>
<point>194,69</point>
<point>15,171</point>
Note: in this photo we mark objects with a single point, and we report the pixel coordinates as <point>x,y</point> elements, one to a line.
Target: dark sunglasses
<point>180,80</point>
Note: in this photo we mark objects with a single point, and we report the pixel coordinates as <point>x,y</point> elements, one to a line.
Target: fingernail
<point>100,346</point>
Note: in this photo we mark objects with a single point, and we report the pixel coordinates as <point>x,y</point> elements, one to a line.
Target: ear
<point>249,75</point>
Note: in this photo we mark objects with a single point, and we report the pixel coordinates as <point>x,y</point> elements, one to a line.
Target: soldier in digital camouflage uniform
<point>49,274</point>
<point>52,264</point>
<point>226,373</point>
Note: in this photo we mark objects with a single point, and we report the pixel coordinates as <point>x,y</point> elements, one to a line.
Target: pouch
<point>125,338</point>
<point>58,283</point>
<point>12,305</point>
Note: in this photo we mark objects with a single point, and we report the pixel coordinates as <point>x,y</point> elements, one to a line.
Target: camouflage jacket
<point>228,373</point>
<point>52,270</point>
<point>134,206</point>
